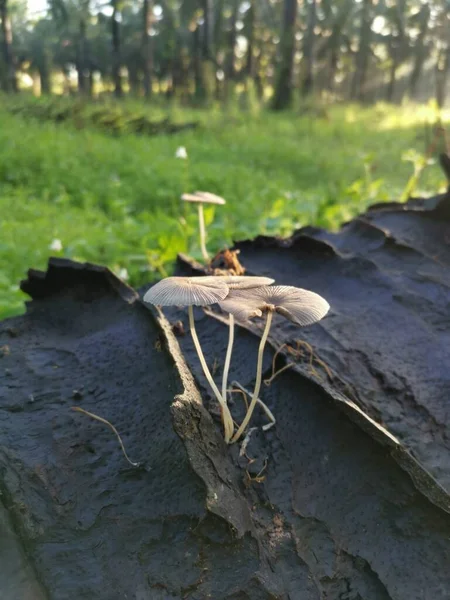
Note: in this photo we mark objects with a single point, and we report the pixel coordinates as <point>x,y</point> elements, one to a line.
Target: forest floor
<point>114,198</point>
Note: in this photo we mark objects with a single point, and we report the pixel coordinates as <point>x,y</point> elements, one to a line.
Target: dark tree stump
<point>323,505</point>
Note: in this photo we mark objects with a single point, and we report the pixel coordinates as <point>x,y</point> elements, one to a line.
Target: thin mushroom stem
<point>226,367</point>
<point>226,415</point>
<point>257,389</point>
<point>201,223</point>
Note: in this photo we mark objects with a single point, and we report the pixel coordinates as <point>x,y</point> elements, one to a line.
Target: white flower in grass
<point>56,245</point>
<point>123,274</point>
<point>181,152</point>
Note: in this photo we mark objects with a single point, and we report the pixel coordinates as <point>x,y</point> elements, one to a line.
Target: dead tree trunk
<point>341,494</point>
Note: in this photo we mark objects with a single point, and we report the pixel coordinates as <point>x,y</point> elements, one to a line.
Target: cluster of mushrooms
<point>243,298</point>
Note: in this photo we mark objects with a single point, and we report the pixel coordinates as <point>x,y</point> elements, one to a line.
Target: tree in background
<point>201,50</point>
<point>359,83</point>
<point>10,81</point>
<point>283,87</point>
<point>307,82</point>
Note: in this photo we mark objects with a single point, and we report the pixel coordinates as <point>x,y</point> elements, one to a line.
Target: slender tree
<point>207,38</point>
<point>231,42</point>
<point>442,68</point>
<point>8,55</point>
<point>82,64</point>
<point>420,50</point>
<point>116,49</point>
<point>147,46</point>
<point>329,48</point>
<point>396,45</point>
<point>283,88</point>
<point>307,82</point>
<point>359,91</point>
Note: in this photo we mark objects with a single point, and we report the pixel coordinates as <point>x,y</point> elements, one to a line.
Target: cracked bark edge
<point>422,479</point>
<point>207,451</point>
<point>41,284</point>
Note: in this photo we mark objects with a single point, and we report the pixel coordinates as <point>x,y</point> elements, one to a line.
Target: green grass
<point>115,200</point>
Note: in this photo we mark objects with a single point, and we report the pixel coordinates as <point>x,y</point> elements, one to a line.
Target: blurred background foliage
<point>296,113</point>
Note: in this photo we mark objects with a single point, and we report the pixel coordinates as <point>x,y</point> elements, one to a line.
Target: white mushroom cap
<point>203,198</point>
<point>245,282</point>
<point>302,307</point>
<point>187,291</point>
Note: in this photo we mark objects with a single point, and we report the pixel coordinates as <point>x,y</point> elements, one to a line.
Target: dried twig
<point>111,426</point>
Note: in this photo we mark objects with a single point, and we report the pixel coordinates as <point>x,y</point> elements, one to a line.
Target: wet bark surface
<point>344,498</point>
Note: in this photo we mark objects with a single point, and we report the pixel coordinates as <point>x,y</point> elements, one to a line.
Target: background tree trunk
<point>44,68</point>
<point>307,83</point>
<point>359,91</point>
<point>8,56</point>
<point>197,64</point>
<point>419,49</point>
<point>283,88</point>
<point>82,68</point>
<point>207,38</point>
<point>442,67</point>
<point>147,46</point>
<point>230,69</point>
<point>116,51</point>
<point>396,47</point>
<point>250,26</point>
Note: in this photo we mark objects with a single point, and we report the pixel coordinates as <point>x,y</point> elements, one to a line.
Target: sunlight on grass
<point>114,199</point>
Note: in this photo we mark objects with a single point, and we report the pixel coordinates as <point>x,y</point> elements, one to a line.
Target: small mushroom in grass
<point>302,307</point>
<point>202,198</point>
<point>195,291</point>
<point>237,282</point>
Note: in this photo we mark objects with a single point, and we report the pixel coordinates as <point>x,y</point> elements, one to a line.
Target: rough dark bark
<point>283,89</point>
<point>352,501</point>
<point>420,49</point>
<point>8,56</point>
<point>116,51</point>
<point>147,46</point>
<point>307,82</point>
<point>359,83</point>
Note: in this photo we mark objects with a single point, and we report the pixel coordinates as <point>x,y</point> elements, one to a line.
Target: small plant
<point>202,198</point>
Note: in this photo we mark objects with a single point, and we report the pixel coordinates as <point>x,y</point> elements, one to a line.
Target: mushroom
<point>195,291</point>
<point>237,282</point>
<point>202,198</point>
<point>302,307</point>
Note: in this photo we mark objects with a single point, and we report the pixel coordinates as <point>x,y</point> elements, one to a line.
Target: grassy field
<point>114,199</point>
